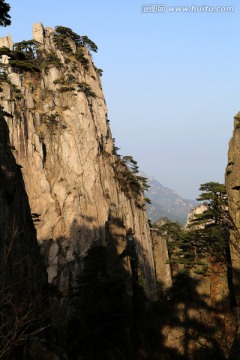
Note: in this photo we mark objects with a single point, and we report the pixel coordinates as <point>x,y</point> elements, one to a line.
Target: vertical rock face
<point>20,259</point>
<point>232,179</point>
<point>22,274</point>
<point>233,189</point>
<point>161,256</point>
<point>75,182</point>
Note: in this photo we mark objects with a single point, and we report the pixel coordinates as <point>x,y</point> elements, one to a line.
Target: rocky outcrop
<point>232,178</point>
<point>161,257</point>
<point>75,182</point>
<point>193,213</point>
<point>163,268</point>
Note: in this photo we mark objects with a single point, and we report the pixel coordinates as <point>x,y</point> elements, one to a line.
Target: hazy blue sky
<point>171,80</point>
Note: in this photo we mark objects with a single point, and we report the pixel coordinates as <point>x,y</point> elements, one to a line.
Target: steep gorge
<point>88,207</point>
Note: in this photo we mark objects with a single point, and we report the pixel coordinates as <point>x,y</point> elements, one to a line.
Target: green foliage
<point>207,235</point>
<point>180,246</point>
<point>62,36</point>
<point>66,89</point>
<point>144,182</point>
<point>84,87</point>
<point>213,225</point>
<point>133,183</point>
<point>5,51</point>
<point>26,55</point>
<point>23,57</point>
<point>70,79</point>
<point>89,43</point>
<point>23,65</point>
<point>52,122</point>
<point>25,49</point>
<point>99,71</point>
<point>131,164</point>
<point>67,33</point>
<point>61,39</point>
<point>52,59</point>
<point>214,197</point>
<point>126,174</point>
<point>59,81</point>
<point>82,59</point>
<point>66,80</point>
<point>147,200</point>
<point>170,228</point>
<point>5,18</point>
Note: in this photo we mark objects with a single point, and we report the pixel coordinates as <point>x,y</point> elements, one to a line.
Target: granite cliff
<point>78,187</point>
<point>23,276</point>
<point>232,178</point>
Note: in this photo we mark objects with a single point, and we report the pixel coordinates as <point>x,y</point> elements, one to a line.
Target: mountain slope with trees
<point>166,202</point>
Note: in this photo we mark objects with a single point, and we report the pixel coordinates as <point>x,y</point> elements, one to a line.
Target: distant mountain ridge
<point>167,203</point>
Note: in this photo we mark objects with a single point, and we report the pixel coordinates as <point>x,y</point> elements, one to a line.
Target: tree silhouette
<point>5,18</point>
<point>213,225</point>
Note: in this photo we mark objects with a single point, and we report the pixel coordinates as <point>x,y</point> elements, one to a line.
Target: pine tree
<point>207,235</point>
<point>212,226</point>
<point>5,18</point>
